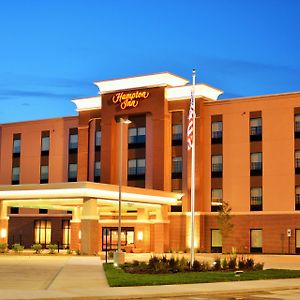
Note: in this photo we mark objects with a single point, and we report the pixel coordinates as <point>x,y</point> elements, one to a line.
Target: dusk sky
<point>52,51</point>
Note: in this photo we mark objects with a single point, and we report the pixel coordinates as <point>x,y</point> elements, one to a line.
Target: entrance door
<point>127,237</point>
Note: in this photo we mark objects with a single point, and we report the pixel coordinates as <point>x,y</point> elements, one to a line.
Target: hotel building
<point>59,178</point>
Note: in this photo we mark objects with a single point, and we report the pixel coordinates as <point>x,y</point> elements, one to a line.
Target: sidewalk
<point>83,278</point>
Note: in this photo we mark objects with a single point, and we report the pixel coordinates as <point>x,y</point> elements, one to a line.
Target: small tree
<point>224,220</point>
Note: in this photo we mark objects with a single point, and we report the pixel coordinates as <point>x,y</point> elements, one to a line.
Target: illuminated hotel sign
<point>128,100</point>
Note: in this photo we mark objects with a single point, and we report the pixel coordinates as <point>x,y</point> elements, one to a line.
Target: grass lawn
<point>117,277</point>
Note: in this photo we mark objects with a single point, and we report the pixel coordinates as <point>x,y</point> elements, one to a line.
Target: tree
<point>224,220</point>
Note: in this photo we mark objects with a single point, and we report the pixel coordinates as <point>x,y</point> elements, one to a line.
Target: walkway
<point>69,277</point>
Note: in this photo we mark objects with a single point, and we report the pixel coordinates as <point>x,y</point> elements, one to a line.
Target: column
<point>90,236</point>
<point>75,243</point>
<point>142,230</point>
<point>160,230</point>
<point>3,223</point>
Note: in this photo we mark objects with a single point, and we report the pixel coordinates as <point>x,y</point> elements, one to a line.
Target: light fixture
<point>140,235</point>
<point>3,233</point>
<point>79,234</point>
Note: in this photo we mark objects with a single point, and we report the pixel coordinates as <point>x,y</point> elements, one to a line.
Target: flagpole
<point>193,175</point>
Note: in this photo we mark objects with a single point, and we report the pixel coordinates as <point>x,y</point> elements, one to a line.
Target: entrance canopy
<point>67,196</point>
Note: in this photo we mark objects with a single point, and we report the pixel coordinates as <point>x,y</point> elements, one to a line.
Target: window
<point>216,199</point>
<point>216,166</point>
<point>98,138</point>
<point>73,139</point>
<point>297,161</point>
<point>177,134</point>
<point>72,172</point>
<point>256,199</point>
<point>136,167</point>
<point>97,170</point>
<point>256,164</point>
<point>45,142</point>
<point>15,175</point>
<point>44,174</point>
<point>297,198</point>
<point>177,167</point>
<point>297,234</point>
<point>42,232</point>
<point>297,126</point>
<point>256,240</point>
<point>216,132</point>
<point>17,145</point>
<point>255,129</point>
<point>14,210</point>
<point>216,240</point>
<point>137,135</point>
<point>43,211</point>
<point>66,237</point>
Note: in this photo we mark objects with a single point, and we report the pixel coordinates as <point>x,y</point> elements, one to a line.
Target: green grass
<point>117,277</point>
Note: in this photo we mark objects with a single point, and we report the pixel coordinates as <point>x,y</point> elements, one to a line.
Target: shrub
<point>110,254</point>
<point>224,263</point>
<point>258,267</point>
<point>37,248</point>
<point>52,248</point>
<point>232,263</point>
<point>183,265</point>
<point>17,248</point>
<point>78,253</point>
<point>217,264</point>
<point>249,263</point>
<point>3,247</point>
<point>241,263</point>
<point>69,252</point>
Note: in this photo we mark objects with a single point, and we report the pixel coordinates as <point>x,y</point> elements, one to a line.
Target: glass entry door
<point>110,234</point>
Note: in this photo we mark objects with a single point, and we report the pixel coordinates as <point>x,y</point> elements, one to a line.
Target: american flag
<point>190,127</point>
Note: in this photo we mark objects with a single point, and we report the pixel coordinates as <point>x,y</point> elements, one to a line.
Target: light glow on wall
<point>140,235</point>
<point>3,233</point>
<point>79,234</point>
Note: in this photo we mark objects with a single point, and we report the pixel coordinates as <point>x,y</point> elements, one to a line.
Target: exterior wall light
<point>140,235</point>
<point>3,233</point>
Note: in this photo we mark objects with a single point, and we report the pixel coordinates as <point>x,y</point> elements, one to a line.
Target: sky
<point>53,51</point>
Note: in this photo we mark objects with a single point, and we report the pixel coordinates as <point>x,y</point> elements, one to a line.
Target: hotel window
<point>43,211</point>
<point>14,210</point>
<point>73,139</point>
<point>297,126</point>
<point>255,129</point>
<point>297,161</point>
<point>256,199</point>
<point>216,166</point>
<point>177,167</point>
<point>98,138</point>
<point>15,175</point>
<point>177,134</point>
<point>216,132</point>
<point>44,174</point>
<point>45,143</point>
<point>256,164</point>
<point>97,171</point>
<point>256,240</point>
<point>72,173</point>
<point>216,241</point>
<point>42,232</point>
<point>216,199</point>
<point>66,238</point>
<point>297,235</point>
<point>136,167</point>
<point>17,145</point>
<point>297,198</point>
<point>136,137</point>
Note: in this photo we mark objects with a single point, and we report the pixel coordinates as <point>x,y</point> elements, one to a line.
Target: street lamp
<point>119,257</point>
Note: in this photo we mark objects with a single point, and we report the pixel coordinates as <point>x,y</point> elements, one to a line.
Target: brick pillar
<point>3,223</point>
<point>75,229</point>
<point>90,236</point>
<point>160,231</point>
<point>142,230</point>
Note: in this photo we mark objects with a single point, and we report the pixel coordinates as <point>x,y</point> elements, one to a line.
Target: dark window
<point>97,171</point>
<point>15,175</point>
<point>43,211</point>
<point>256,164</point>
<point>177,134</point>
<point>297,161</point>
<point>297,126</point>
<point>45,143</point>
<point>14,210</point>
<point>16,145</point>
<point>136,137</point>
<point>216,132</point>
<point>72,173</point>
<point>216,166</point>
<point>73,140</point>
<point>44,174</point>
<point>98,139</point>
<point>177,167</point>
<point>297,198</point>
<point>256,199</point>
<point>255,129</point>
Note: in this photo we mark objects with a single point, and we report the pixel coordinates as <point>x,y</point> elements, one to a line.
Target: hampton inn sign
<point>128,100</point>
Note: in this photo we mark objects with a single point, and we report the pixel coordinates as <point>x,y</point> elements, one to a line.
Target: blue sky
<point>52,51</point>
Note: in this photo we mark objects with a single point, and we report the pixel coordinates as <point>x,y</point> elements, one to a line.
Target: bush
<point>217,264</point>
<point>52,248</point>
<point>17,248</point>
<point>78,252</point>
<point>37,248</point>
<point>258,267</point>
<point>3,247</point>
<point>224,264</point>
<point>69,252</point>
<point>241,263</point>
<point>249,264</point>
<point>232,263</point>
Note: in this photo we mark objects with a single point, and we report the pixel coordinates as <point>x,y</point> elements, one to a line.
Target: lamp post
<point>119,256</point>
